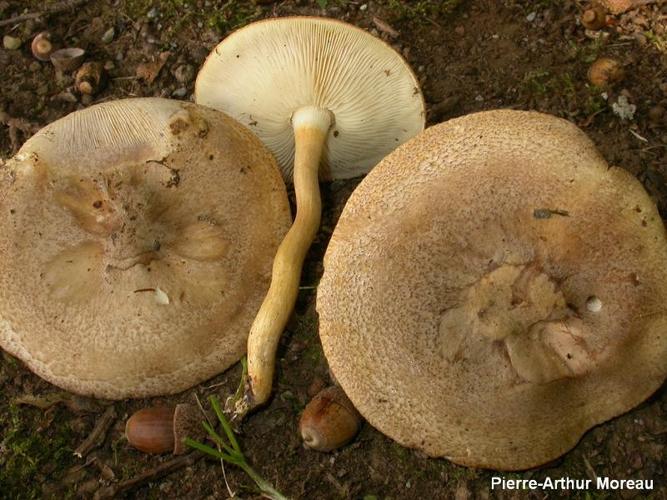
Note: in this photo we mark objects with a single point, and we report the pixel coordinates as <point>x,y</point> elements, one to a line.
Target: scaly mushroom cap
<point>136,239</point>
<point>493,290</point>
<point>264,72</point>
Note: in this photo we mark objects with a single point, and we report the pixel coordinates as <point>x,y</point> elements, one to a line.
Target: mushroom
<point>493,289</point>
<point>316,91</point>
<point>136,239</point>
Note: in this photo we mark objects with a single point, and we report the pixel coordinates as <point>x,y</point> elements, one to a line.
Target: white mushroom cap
<point>136,241</point>
<point>263,73</point>
<point>493,290</point>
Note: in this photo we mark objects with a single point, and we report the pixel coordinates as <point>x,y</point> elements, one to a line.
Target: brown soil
<point>477,55</point>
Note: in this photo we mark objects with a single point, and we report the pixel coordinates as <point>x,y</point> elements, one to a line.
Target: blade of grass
<point>234,454</point>
<point>211,451</point>
<point>218,439</point>
<point>225,424</point>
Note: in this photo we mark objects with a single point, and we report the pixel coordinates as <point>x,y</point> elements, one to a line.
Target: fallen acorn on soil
<point>594,18</point>
<point>90,78</point>
<point>162,429</point>
<point>329,421</point>
<point>605,71</point>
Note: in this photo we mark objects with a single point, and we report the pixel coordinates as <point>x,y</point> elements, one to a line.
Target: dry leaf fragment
<point>149,71</point>
<point>617,7</point>
<point>385,28</point>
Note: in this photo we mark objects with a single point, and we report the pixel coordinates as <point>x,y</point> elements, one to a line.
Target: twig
<point>590,471</point>
<point>149,475</point>
<point>641,138</point>
<point>53,9</point>
<point>385,27</point>
<point>96,437</point>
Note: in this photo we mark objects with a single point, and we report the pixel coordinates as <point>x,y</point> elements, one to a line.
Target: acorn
<point>594,18</point>
<point>41,46</point>
<point>329,421</point>
<point>163,429</point>
<point>605,71</point>
<point>89,78</point>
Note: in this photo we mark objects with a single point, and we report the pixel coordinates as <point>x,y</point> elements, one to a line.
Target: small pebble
<point>184,73</point>
<point>10,42</point>
<point>656,113</point>
<point>180,92</point>
<point>153,13</point>
<point>363,7</point>
<point>108,35</point>
<point>65,96</point>
<point>64,79</point>
<point>531,17</point>
<point>87,488</point>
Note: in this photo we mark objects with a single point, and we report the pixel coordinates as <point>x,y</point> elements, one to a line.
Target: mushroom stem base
<point>311,126</point>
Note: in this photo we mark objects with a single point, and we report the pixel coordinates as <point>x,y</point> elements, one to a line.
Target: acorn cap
<point>136,238</point>
<point>494,289</point>
<point>41,46</point>
<point>187,424</point>
<point>67,59</point>
<point>262,73</point>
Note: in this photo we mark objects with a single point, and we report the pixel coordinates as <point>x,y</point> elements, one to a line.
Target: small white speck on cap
<point>593,304</point>
<point>161,297</point>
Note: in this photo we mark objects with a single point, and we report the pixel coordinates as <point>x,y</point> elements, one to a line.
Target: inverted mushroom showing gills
<point>330,101</point>
<point>493,289</point>
<point>136,239</point>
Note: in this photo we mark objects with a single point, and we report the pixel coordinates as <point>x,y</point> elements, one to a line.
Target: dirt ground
<point>469,56</point>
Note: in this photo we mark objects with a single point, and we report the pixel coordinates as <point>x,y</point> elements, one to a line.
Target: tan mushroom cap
<point>136,239</point>
<point>263,73</point>
<point>493,290</point>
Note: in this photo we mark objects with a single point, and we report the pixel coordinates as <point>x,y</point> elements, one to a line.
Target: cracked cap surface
<point>136,238</point>
<point>493,290</point>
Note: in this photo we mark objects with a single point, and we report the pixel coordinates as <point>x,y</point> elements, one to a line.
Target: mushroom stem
<point>311,125</point>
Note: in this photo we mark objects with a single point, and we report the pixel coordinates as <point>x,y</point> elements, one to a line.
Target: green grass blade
<point>204,448</point>
<point>217,438</point>
<point>225,424</point>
